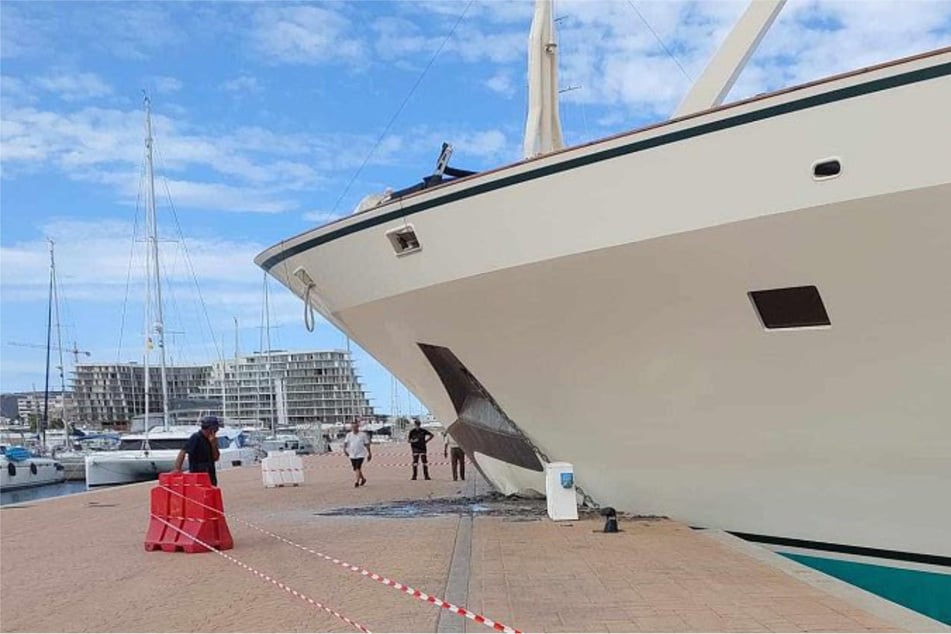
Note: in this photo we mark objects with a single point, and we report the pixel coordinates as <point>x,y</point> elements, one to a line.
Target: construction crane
<point>75,351</point>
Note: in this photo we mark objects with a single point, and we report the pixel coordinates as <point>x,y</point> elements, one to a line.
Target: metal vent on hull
<point>795,307</point>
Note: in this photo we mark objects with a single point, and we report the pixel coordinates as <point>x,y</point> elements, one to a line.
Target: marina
<point>691,350</point>
<point>465,546</point>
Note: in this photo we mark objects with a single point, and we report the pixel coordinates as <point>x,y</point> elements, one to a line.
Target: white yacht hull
<point>124,467</point>
<point>29,473</point>
<point>603,309</point>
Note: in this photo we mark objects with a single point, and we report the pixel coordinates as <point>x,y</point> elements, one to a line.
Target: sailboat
<point>737,317</point>
<point>19,468</point>
<point>143,456</point>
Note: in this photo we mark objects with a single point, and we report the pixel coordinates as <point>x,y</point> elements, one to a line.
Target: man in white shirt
<point>357,447</point>
<point>451,447</point>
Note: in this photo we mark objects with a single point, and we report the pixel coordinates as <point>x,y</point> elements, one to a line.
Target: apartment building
<point>30,405</point>
<point>114,393</point>
<point>292,388</point>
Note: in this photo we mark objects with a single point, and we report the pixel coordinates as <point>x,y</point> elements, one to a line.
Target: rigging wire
<point>191,269</point>
<point>660,41</point>
<point>402,105</point>
<point>128,277</point>
<point>171,301</point>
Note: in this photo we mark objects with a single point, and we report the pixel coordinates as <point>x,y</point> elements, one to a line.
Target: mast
<point>49,332</point>
<point>153,259</point>
<point>267,367</point>
<point>543,126</point>
<point>59,346</point>
<point>237,389</point>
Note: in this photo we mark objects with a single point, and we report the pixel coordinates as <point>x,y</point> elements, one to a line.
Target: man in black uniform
<point>418,437</point>
<point>202,450</point>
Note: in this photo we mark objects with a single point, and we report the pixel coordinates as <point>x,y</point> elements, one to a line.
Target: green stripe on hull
<point>926,592</point>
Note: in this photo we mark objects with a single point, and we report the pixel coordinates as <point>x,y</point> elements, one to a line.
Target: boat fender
<point>11,469</point>
<point>33,468</point>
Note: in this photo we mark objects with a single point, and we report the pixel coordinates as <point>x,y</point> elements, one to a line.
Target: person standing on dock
<point>356,445</point>
<point>452,450</point>
<point>202,450</point>
<point>418,437</point>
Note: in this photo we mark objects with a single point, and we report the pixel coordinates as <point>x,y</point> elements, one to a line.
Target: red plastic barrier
<point>193,510</point>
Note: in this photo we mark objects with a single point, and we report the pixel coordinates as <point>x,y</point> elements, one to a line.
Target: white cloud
<point>100,266</point>
<point>22,30</point>
<point>136,30</point>
<point>400,39</point>
<point>606,48</point>
<point>483,144</point>
<point>226,197</point>
<point>165,85</point>
<point>75,86</point>
<point>105,146</point>
<point>501,83</point>
<point>812,40</point>
<point>93,259</point>
<point>484,11</point>
<point>306,34</point>
<point>242,84</point>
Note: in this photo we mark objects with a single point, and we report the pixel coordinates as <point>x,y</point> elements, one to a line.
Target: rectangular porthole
<point>404,240</point>
<point>796,307</point>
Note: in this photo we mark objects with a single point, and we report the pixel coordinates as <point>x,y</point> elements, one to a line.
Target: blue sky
<point>270,118</point>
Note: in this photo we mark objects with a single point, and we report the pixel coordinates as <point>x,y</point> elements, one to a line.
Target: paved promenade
<point>78,564</point>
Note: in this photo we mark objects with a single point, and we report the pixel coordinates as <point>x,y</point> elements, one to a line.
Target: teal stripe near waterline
<point>926,592</point>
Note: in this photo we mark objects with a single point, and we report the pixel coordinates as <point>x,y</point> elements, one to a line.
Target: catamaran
<point>737,317</point>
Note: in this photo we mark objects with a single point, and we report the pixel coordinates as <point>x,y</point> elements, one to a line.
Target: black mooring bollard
<point>610,524</point>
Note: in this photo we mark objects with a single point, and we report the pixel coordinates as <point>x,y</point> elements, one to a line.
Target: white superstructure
<point>737,318</point>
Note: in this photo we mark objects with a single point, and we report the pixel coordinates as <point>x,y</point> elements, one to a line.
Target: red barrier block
<point>185,510</point>
<point>175,482</point>
<point>158,508</point>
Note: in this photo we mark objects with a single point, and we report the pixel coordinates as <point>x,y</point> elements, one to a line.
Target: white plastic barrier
<point>560,491</point>
<point>282,468</point>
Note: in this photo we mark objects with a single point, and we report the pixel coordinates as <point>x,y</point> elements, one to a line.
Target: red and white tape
<point>418,594</point>
<point>266,577</point>
<point>341,464</point>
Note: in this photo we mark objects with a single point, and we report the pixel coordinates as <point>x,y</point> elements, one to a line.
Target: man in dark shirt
<point>202,450</point>
<point>418,437</point>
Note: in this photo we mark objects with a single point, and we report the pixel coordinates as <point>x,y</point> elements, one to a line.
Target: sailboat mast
<point>59,344</point>
<point>49,332</point>
<point>159,325</point>
<point>267,338</point>
<point>237,385</point>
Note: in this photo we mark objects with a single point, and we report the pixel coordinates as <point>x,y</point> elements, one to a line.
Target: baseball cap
<point>210,422</point>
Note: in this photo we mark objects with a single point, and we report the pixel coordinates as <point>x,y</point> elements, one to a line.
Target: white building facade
<point>114,393</point>
<point>290,388</point>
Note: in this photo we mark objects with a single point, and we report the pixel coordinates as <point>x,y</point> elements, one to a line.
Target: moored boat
<point>143,456</point>
<point>20,469</point>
